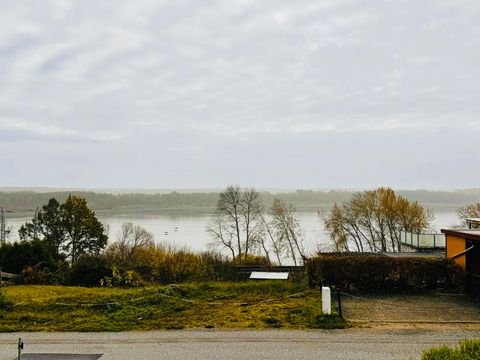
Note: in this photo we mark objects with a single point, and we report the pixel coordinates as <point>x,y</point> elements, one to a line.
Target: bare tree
<point>469,211</point>
<point>229,208</point>
<point>130,239</point>
<point>236,225</point>
<point>241,227</point>
<point>372,221</point>
<point>251,210</point>
<point>269,239</point>
<point>287,228</point>
<point>222,233</point>
<point>344,230</point>
<point>261,242</point>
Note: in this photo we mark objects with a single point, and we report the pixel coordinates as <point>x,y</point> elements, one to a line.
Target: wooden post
<point>20,347</point>
<point>339,299</point>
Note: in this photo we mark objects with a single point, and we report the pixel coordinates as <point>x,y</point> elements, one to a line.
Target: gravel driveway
<point>433,308</point>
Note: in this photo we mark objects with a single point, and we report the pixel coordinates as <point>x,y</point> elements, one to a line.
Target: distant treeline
<point>18,201</point>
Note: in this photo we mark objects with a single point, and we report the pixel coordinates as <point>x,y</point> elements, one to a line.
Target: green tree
<point>84,234</point>
<point>70,229</point>
<point>46,226</point>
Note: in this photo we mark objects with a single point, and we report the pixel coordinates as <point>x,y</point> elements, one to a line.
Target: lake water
<point>188,230</point>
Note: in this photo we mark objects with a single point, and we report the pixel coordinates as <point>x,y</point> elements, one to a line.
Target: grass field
<point>209,305</point>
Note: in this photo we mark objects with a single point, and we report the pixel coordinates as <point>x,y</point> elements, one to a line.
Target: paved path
<point>411,308</point>
<point>358,344</point>
<point>56,356</point>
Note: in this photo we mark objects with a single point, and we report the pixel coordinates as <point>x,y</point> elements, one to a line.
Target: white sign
<point>269,275</point>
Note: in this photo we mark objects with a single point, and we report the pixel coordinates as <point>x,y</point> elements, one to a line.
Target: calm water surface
<point>188,230</point>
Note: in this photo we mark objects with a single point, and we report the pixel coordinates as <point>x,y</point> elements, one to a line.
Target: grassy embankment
<point>241,305</point>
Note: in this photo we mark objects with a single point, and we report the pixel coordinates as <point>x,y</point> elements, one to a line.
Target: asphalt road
<point>352,344</point>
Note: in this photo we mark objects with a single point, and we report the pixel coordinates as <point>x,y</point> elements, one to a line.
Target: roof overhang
<point>466,234</point>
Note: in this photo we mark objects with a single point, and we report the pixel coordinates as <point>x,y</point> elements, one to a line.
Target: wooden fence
<point>250,268</point>
<point>6,277</point>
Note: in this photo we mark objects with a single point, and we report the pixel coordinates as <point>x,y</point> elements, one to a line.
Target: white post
<point>326,300</point>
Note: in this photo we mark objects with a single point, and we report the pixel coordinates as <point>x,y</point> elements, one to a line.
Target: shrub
<point>469,349</point>
<point>255,260</point>
<point>15,257</point>
<point>37,276</point>
<point>374,273</point>
<point>440,353</point>
<point>466,350</point>
<point>167,264</point>
<point>121,279</point>
<point>88,270</point>
<point>215,267</point>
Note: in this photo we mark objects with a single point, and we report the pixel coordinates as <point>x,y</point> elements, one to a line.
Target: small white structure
<point>326,300</point>
<point>264,275</point>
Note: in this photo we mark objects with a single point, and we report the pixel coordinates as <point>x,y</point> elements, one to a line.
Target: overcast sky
<point>271,94</point>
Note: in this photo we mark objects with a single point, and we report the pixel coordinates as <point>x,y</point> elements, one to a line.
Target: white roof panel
<point>269,275</point>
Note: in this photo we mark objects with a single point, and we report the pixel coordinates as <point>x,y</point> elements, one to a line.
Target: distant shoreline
<point>205,202</point>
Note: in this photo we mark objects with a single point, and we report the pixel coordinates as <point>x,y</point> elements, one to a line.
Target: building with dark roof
<point>463,247</point>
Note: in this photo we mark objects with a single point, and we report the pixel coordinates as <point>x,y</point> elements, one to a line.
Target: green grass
<point>466,350</point>
<point>257,305</point>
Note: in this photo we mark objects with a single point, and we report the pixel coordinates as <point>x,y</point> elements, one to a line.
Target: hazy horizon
<point>203,190</point>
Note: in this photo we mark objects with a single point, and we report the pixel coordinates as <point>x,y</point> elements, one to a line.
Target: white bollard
<point>326,300</point>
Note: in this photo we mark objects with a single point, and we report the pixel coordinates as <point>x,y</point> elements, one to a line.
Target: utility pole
<point>3,229</point>
<point>35,224</point>
<point>2,226</point>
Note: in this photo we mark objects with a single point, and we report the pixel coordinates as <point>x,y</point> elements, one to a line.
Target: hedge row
<point>380,273</point>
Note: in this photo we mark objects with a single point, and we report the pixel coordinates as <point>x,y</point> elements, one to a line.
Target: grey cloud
<point>19,130</point>
<point>192,84</point>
